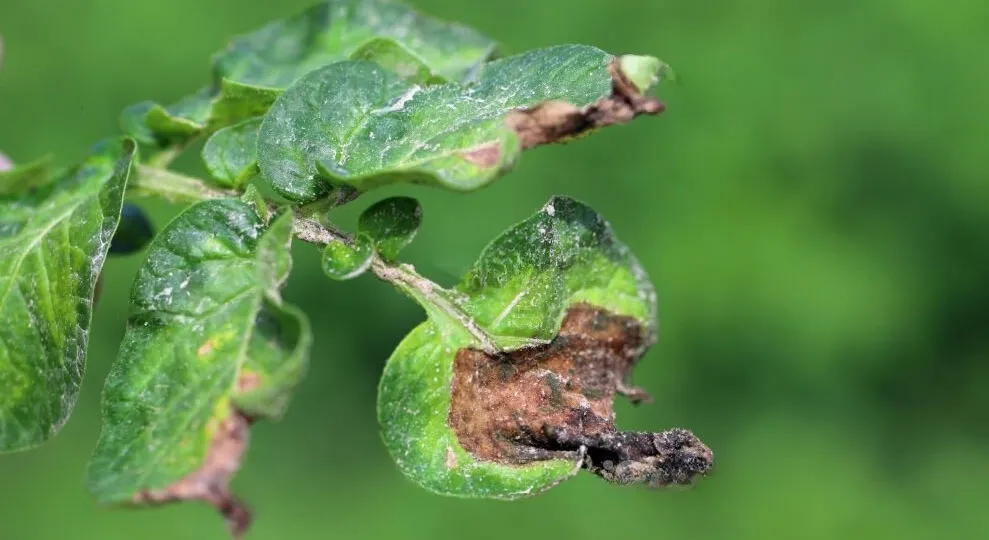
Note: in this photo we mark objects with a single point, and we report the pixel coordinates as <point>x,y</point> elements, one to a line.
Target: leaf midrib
<point>255,307</point>
<point>155,464</point>
<point>14,274</point>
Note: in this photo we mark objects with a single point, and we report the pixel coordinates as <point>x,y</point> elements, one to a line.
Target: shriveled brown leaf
<point>551,401</point>
<point>557,121</point>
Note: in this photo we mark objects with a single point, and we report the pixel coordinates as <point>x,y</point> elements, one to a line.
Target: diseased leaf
<point>392,223</point>
<point>342,261</point>
<point>360,125</point>
<point>464,412</point>
<point>256,67</point>
<point>54,237</point>
<point>209,347</point>
<point>230,154</point>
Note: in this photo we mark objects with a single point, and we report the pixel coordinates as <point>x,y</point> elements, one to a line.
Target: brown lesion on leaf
<point>206,348</point>
<point>248,380</point>
<point>210,483</point>
<point>557,121</point>
<point>486,156</point>
<point>556,401</point>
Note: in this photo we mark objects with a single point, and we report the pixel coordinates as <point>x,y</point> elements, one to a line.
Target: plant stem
<point>310,230</point>
<point>309,227</point>
<point>178,188</point>
<point>404,277</point>
<point>431,295</point>
<point>174,187</point>
<point>164,157</point>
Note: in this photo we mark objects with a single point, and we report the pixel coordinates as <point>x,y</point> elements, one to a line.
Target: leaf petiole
<point>432,297</point>
<point>149,181</point>
<point>164,157</point>
<point>426,292</point>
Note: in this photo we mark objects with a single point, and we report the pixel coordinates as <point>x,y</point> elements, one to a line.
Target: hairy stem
<point>173,187</point>
<point>178,188</point>
<point>405,278</point>
<point>309,226</point>
<point>164,157</point>
<point>309,229</point>
<point>427,292</point>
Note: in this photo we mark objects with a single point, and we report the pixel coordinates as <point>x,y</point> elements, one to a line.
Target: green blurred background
<point>813,209</point>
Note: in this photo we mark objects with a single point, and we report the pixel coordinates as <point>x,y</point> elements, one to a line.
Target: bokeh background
<point>813,209</point>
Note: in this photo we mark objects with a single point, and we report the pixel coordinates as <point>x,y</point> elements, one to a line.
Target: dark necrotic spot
<point>552,401</point>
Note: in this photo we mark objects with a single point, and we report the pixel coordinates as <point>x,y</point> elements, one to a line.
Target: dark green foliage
<point>321,107</point>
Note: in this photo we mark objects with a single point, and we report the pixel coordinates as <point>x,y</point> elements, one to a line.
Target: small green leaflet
<point>392,223</point>
<point>516,294</point>
<point>384,229</point>
<point>256,67</point>
<point>230,154</point>
<point>209,343</point>
<point>54,237</point>
<point>363,126</point>
<point>347,260</point>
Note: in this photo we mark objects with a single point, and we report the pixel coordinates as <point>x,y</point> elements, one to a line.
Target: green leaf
<point>181,121</point>
<point>230,154</point>
<point>394,56</point>
<point>392,223</point>
<point>642,71</point>
<point>201,112</point>
<point>464,413</point>
<point>255,198</point>
<point>25,178</point>
<point>280,53</point>
<point>360,125</point>
<point>134,122</point>
<point>524,281</point>
<point>237,102</point>
<point>209,346</point>
<point>343,261</point>
<point>256,67</point>
<point>54,237</point>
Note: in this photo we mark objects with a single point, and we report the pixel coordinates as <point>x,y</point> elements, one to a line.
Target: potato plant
<point>505,390</point>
